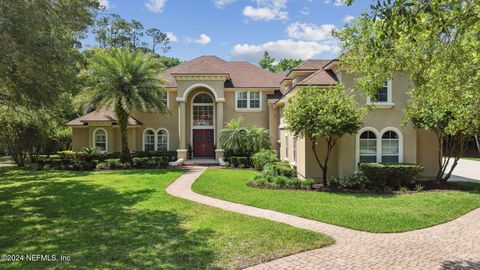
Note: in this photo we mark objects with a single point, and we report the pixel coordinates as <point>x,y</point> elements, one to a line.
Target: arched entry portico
<point>200,122</point>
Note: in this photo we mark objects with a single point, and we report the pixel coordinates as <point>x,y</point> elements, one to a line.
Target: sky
<point>242,29</point>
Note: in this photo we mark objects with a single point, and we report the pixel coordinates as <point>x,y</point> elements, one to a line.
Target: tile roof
<point>242,74</point>
<point>101,116</point>
<point>312,64</point>
<point>320,77</point>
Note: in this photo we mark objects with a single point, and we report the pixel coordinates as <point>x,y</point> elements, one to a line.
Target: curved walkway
<point>453,245</point>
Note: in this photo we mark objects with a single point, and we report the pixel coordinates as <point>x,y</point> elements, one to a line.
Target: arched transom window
<point>385,146</point>
<point>155,141</point>
<point>202,111</point>
<point>368,147</point>
<point>100,139</point>
<point>390,147</point>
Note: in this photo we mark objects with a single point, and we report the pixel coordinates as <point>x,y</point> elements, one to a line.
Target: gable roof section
<point>312,64</point>
<point>242,74</point>
<point>103,115</point>
<point>320,77</point>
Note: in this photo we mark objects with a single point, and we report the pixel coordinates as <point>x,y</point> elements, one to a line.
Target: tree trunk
<point>330,144</point>
<point>477,142</point>
<point>122,117</point>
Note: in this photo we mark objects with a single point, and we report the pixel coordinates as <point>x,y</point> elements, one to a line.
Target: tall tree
<point>437,43</point>
<point>123,81</point>
<point>159,40</point>
<point>267,62</point>
<point>38,48</point>
<point>323,114</point>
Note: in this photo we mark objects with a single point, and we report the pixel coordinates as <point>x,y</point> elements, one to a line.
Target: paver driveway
<point>453,245</point>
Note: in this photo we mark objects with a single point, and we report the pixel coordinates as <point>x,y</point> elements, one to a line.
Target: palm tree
<point>234,136</point>
<point>258,139</point>
<point>122,80</point>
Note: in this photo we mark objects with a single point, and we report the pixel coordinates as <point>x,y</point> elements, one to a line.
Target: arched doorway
<point>203,126</point>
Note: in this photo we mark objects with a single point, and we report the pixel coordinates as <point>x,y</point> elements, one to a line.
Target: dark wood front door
<point>203,143</point>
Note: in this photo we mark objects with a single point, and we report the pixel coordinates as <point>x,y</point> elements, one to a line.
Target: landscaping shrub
<point>283,169</point>
<point>239,162</point>
<point>355,181</point>
<point>150,162</point>
<point>389,174</point>
<point>264,157</point>
<point>172,155</point>
<point>282,182</point>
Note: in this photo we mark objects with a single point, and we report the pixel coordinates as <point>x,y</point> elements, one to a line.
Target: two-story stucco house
<point>204,93</point>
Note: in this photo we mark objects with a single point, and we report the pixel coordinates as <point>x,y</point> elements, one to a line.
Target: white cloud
<point>348,19</point>
<point>267,10</point>
<point>155,5</point>
<point>171,36</point>
<point>305,11</point>
<point>307,31</point>
<point>288,48</point>
<point>104,4</point>
<point>222,3</point>
<point>203,39</point>
<point>336,2</point>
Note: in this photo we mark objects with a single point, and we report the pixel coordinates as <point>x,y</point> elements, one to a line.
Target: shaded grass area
<point>126,220</point>
<point>366,212</point>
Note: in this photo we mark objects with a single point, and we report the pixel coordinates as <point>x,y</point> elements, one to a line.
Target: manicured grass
<point>366,212</point>
<point>126,220</point>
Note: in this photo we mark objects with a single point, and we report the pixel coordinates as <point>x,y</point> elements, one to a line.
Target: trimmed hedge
<point>390,174</point>
<point>282,182</point>
<point>279,169</point>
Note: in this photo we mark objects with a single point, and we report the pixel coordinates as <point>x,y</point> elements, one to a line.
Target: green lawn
<point>126,220</point>
<point>366,212</point>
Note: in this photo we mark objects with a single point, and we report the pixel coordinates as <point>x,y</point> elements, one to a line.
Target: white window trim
<point>384,105</point>
<point>294,152</point>
<point>168,138</point>
<point>286,147</point>
<point>155,141</point>
<point>379,143</point>
<point>248,109</point>
<point>168,99</point>
<point>106,138</point>
<point>400,142</point>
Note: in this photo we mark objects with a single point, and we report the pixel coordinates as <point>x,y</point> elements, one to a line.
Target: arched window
<point>203,98</point>
<point>368,147</point>
<point>202,111</point>
<point>390,147</point>
<point>100,139</point>
<point>162,140</point>
<point>148,140</point>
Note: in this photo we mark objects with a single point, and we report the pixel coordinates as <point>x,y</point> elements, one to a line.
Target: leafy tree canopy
<point>268,62</point>
<point>437,43</point>
<point>38,48</point>
<point>323,113</point>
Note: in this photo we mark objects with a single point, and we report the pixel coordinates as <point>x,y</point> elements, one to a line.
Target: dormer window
<point>383,96</point>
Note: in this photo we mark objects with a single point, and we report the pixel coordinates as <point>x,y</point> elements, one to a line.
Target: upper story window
<point>383,95</point>
<point>249,100</point>
<point>164,97</point>
<point>100,139</point>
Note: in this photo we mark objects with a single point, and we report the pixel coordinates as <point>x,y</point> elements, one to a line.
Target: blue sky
<point>242,29</point>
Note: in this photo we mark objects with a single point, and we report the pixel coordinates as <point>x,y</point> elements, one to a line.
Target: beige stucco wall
<point>79,138</point>
<point>251,118</point>
<point>156,121</point>
<point>418,146</point>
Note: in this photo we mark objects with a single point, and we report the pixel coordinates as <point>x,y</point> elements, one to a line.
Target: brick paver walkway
<point>453,245</point>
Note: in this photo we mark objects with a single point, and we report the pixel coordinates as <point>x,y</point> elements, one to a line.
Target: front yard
<point>366,212</point>
<point>126,220</point>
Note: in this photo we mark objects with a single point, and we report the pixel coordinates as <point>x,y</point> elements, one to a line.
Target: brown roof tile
<point>320,77</point>
<point>312,64</point>
<point>103,115</point>
<point>242,74</point>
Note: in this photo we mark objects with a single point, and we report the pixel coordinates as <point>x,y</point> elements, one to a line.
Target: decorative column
<point>182,152</point>
<point>219,151</point>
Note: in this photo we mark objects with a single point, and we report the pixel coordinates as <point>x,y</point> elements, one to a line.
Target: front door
<point>203,143</point>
